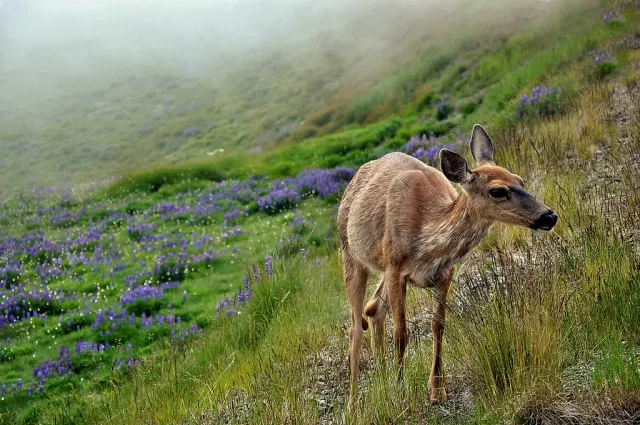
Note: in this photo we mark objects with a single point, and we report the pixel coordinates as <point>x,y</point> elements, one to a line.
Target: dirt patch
<point>328,380</point>
<point>608,410</point>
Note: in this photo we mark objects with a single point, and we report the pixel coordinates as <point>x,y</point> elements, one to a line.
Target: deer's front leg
<point>437,392</point>
<point>397,293</point>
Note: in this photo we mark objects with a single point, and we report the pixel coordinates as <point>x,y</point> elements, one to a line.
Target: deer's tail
<point>373,306</point>
<point>365,323</point>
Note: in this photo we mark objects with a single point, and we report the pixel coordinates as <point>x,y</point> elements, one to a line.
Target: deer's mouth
<point>540,228</point>
<point>545,222</point>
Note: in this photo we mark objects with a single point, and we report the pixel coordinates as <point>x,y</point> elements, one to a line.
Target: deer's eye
<point>498,193</point>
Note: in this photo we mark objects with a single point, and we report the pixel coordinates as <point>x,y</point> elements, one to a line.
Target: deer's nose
<point>547,220</point>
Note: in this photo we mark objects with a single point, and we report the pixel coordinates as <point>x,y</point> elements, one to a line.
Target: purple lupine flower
<point>425,148</point>
<point>255,272</point>
<point>144,293</point>
<point>191,131</point>
<point>601,58</point>
<point>537,94</point>
<point>538,97</point>
<point>278,200</point>
<point>325,183</point>
<point>220,306</point>
<point>231,215</point>
<point>268,265</point>
<point>612,16</point>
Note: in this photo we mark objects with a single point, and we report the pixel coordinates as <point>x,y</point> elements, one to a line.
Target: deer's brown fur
<point>404,219</point>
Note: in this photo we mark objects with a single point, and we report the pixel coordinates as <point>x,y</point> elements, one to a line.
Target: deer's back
<point>398,186</point>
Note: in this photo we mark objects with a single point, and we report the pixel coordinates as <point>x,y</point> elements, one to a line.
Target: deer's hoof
<point>438,396</point>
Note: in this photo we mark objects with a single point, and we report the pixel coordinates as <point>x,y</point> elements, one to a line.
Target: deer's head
<point>496,193</point>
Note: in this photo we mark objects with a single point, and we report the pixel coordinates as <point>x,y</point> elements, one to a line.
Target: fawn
<point>405,219</point>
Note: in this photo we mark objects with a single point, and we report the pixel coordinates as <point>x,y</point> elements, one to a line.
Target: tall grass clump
<point>505,327</point>
<point>535,308</point>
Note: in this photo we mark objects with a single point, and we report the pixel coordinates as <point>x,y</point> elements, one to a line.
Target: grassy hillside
<point>211,291</point>
<point>99,98</point>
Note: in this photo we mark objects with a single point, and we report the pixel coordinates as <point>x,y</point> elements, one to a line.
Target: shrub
<point>136,207</point>
<point>544,102</point>
<point>605,65</point>
<point>323,118</point>
<point>305,132</point>
<point>444,109</point>
<point>145,306</point>
<point>8,354</point>
<point>151,181</point>
<point>468,108</point>
<point>427,100</point>
<point>74,323</point>
<point>612,18</point>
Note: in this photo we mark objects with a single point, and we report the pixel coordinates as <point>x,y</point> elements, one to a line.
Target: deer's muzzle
<point>546,221</point>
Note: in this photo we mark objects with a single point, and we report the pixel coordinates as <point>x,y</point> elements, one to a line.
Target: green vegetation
<point>541,328</point>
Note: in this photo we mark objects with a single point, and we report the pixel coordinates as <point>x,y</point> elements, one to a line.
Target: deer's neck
<point>454,232</point>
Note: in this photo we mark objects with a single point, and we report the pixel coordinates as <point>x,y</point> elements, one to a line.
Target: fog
<point>70,39</point>
<point>64,61</point>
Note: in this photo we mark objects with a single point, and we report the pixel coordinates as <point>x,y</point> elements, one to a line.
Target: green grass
<point>541,327</point>
<point>195,302</point>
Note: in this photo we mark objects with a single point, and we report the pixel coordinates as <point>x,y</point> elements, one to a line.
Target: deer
<point>404,220</point>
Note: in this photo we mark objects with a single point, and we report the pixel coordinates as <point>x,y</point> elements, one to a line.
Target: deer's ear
<point>481,146</point>
<point>454,166</point>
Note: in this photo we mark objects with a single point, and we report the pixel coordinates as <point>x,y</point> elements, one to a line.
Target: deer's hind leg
<point>355,281</point>
<point>397,295</point>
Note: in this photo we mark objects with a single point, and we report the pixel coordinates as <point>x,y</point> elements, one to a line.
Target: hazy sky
<point>84,39</point>
<point>71,69</point>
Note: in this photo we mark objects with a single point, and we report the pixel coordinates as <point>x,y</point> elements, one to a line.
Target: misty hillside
<point>91,90</point>
<point>170,179</point>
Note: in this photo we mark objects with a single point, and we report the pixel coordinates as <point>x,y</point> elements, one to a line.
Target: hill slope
<point>211,292</point>
<point>111,89</point>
